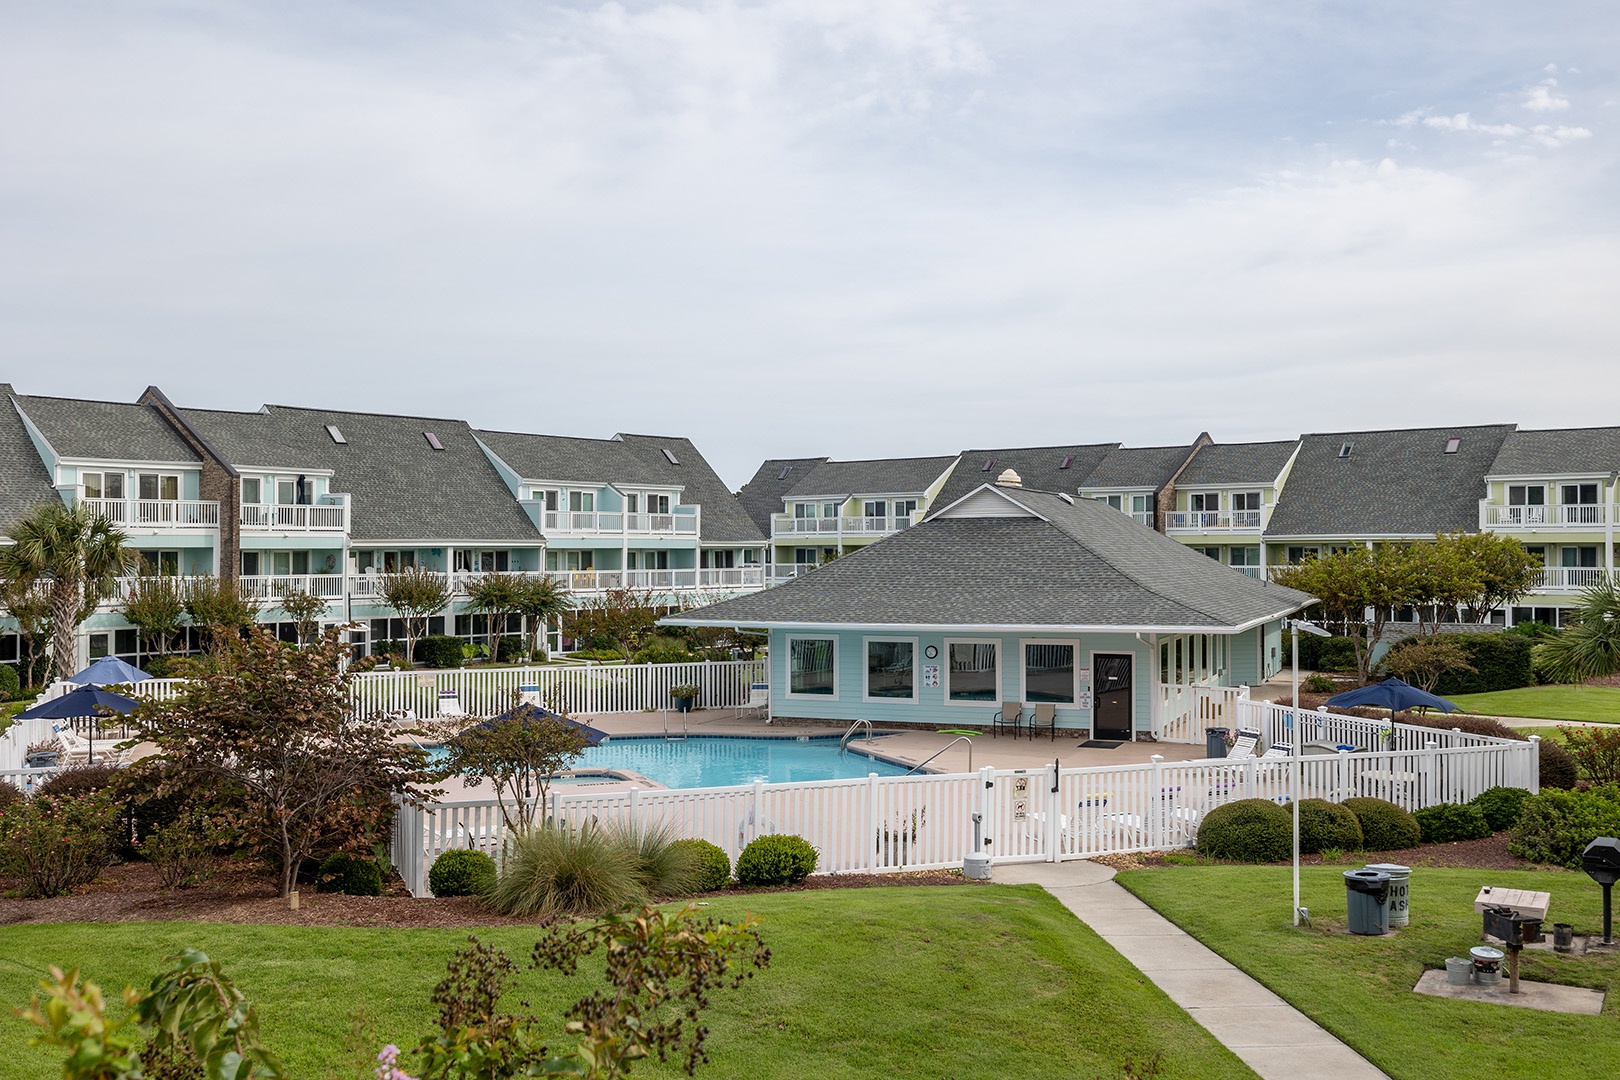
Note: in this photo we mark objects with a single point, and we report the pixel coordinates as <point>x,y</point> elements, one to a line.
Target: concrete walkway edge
<point>1272,1037</point>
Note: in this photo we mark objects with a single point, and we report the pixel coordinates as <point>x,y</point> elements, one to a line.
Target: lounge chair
<point>1243,748</point>
<point>529,695</point>
<point>1278,751</point>
<point>76,749</point>
<point>1011,714</point>
<point>450,703</point>
<point>1045,716</point>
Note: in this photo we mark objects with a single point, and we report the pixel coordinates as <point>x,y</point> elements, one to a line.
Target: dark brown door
<point>1112,708</point>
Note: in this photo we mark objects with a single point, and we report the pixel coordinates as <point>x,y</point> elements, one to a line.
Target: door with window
<point>1246,510</point>
<point>1581,504</point>
<point>1527,504</point>
<point>1205,507</point>
<point>159,494</point>
<point>1113,704</point>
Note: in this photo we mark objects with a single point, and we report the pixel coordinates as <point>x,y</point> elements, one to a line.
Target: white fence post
<point>1533,781</point>
<point>982,801</point>
<point>1155,807</point>
<point>869,854</point>
<point>1052,835</point>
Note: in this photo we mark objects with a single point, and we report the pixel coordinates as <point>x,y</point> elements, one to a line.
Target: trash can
<point>1459,971</point>
<point>1214,742</point>
<point>1367,896</point>
<point>1399,879</point>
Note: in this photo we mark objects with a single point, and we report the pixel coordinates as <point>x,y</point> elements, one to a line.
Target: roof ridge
<point>358,412</point>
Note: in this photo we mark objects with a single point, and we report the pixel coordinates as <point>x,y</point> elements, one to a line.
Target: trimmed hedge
<point>1324,654</point>
<point>1384,826</point>
<point>351,875</point>
<point>462,873</point>
<point>1502,662</point>
<point>1556,825</point>
<point>712,862</point>
<point>10,684</point>
<point>1324,825</point>
<point>776,860</point>
<point>1502,806</point>
<point>1249,830</point>
<point>1448,822</point>
<point>438,651</point>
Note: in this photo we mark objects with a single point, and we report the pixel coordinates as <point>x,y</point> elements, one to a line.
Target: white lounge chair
<point>1277,751</point>
<point>450,703</point>
<point>529,695</point>
<point>1243,748</point>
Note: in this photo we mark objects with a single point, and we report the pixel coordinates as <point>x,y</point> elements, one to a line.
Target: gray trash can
<point>1214,742</point>
<point>1400,878</point>
<point>1367,896</point>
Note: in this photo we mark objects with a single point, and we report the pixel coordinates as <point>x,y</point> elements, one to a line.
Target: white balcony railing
<point>319,517</point>
<point>123,585</point>
<point>369,586</point>
<point>163,514</point>
<point>615,523</point>
<point>1570,516</point>
<point>1570,578</point>
<point>1213,520</point>
<point>268,587</point>
<point>787,526</point>
<point>789,571</point>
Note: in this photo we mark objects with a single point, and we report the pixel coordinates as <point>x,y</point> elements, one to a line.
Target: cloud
<point>1554,137</point>
<point>1544,97</point>
<point>1464,122</point>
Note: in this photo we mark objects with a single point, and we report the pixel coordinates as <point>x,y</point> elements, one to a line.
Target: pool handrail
<point>843,743</point>
<point>941,750</point>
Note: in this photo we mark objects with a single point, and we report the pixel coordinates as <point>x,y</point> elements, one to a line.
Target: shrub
<point>1249,830</point>
<point>664,650</point>
<point>1596,751</point>
<point>394,649</point>
<point>776,860</point>
<point>1502,806</point>
<point>1500,661</point>
<point>10,796</point>
<point>141,808</point>
<point>78,780</point>
<point>663,868</point>
<point>10,685</point>
<point>183,850</point>
<point>1556,825</point>
<point>52,844</point>
<point>160,667</point>
<point>600,655</point>
<point>1558,766</point>
<point>1318,684</point>
<point>713,864</point>
<point>439,651</point>
<point>1384,826</point>
<point>462,873</point>
<point>1447,822</point>
<point>1324,825</point>
<point>352,875</point>
<point>553,870</point>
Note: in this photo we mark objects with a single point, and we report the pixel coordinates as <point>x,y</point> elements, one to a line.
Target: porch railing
<point>1557,516</point>
<point>619,523</point>
<point>320,517</point>
<point>158,513</point>
<point>1213,520</point>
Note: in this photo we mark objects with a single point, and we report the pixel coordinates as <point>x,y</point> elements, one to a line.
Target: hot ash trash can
<point>1367,896</point>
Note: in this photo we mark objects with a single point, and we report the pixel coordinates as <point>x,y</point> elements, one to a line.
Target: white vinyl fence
<point>926,821</point>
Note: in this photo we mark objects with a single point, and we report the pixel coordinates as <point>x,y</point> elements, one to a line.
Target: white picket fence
<point>1275,722</point>
<point>887,823</point>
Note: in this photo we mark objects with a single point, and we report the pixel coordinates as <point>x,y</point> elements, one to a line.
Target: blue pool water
<point>701,761</point>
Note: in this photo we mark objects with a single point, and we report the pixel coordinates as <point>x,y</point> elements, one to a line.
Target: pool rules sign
<point>1020,789</point>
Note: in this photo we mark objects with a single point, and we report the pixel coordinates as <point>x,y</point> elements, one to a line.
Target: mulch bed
<point>130,892</point>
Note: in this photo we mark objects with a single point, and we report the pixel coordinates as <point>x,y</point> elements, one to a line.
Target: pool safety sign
<point>931,676</point>
<point>1020,788</point>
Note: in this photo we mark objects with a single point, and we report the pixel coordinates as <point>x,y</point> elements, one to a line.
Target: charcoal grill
<point>1601,861</point>
<point>1514,930</point>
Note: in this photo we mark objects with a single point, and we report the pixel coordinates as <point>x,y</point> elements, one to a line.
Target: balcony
<point>268,587</point>
<point>1214,521</point>
<point>330,518</point>
<point>616,524</point>
<point>159,515</point>
<point>1570,578</point>
<point>1583,517</point>
<point>788,571</point>
<point>369,586</point>
<point>788,527</point>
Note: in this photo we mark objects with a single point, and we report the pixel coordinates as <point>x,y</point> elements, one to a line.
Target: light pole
<point>1296,625</point>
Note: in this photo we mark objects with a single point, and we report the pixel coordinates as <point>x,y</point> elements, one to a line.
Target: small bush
<point>1596,751</point>
<point>599,655</point>
<point>10,796</point>
<point>160,667</point>
<point>1249,830</point>
<point>462,873</point>
<point>1556,825</point>
<point>1501,662</point>
<point>663,868</point>
<point>553,871</point>
<point>1448,822</point>
<point>52,844</point>
<point>438,651</point>
<point>1558,766</point>
<point>1324,825</point>
<point>78,780</point>
<point>713,864</point>
<point>664,650</point>
<point>183,850</point>
<point>10,685</point>
<point>1318,684</point>
<point>1384,826</point>
<point>1502,806</point>
<point>776,860</point>
<point>352,875</point>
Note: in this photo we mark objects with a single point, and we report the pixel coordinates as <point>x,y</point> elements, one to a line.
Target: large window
<point>812,667</point>
<point>974,671</point>
<point>102,485</point>
<point>1049,672</point>
<point>891,670</point>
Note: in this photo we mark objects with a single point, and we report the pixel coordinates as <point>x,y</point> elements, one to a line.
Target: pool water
<point>707,761</point>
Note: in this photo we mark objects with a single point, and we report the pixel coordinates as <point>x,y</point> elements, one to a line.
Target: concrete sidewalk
<point>1273,1038</point>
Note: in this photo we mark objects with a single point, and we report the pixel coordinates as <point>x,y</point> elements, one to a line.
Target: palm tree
<point>79,555</point>
<point>1590,645</point>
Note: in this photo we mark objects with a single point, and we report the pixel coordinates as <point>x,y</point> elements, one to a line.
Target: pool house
<point>1012,595</point>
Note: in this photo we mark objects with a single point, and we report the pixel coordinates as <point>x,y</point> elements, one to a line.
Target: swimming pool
<point>712,761</point>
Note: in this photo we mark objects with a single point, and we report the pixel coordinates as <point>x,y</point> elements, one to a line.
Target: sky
<point>855,228</point>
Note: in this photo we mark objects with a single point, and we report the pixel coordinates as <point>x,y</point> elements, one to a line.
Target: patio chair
<point>1011,714</point>
<point>529,695</point>
<point>1045,716</point>
<point>1278,751</point>
<point>1243,748</point>
<point>450,703</point>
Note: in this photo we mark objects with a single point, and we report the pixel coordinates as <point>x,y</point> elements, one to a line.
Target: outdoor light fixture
<point>1298,626</point>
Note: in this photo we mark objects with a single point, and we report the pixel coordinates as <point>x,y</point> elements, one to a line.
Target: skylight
<point>337,436</point>
<point>784,473</point>
<point>1065,496</point>
<point>670,454</point>
<point>1344,451</point>
<point>988,465</point>
<point>1067,462</point>
<point>433,440</point>
<point>1453,444</point>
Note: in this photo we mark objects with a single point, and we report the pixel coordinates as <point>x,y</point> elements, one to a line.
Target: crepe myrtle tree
<point>1359,588</point>
<point>224,610</point>
<point>497,597</point>
<point>418,594</point>
<point>518,752</point>
<point>77,555</point>
<point>156,606</point>
<point>304,608</point>
<point>541,601</point>
<point>270,736</point>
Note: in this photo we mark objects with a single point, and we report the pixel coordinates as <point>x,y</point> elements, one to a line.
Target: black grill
<point>1601,861</point>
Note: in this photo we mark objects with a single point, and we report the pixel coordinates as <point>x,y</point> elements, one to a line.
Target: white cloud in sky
<point>1544,97</point>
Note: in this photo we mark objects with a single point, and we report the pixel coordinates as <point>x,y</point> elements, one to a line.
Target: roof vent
<point>1066,497</point>
<point>989,464</point>
<point>1008,478</point>
<point>670,455</point>
<point>433,440</point>
<point>1344,451</point>
<point>1067,462</point>
<point>337,436</point>
<point>1453,444</point>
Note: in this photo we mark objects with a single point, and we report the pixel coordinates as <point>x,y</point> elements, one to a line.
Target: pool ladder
<point>941,750</point>
<point>672,737</point>
<point>843,744</point>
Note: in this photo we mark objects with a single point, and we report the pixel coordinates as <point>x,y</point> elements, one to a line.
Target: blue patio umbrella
<point>593,736</point>
<point>1394,695</point>
<point>85,701</point>
<point>110,671</point>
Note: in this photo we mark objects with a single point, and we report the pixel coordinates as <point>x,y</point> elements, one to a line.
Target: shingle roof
<point>1561,452</point>
<point>1393,483</point>
<point>24,481</point>
<point>1148,467</point>
<point>1083,565</point>
<point>724,519</point>
<point>106,430</point>
<point>875,476</point>
<point>1238,463</point>
<point>568,459</point>
<point>401,488</point>
<point>762,496</point>
<point>1039,467</point>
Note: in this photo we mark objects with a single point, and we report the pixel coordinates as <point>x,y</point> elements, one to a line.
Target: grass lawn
<point>1600,704</point>
<point>1361,988</point>
<point>894,982</point>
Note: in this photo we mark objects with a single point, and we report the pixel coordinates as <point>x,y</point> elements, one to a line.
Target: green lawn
<point>1360,988</point>
<point>1600,704</point>
<point>894,982</point>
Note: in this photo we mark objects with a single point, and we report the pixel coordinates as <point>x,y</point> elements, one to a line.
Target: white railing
<point>1572,578</point>
<point>923,822</point>
<point>1213,520</point>
<point>789,571</point>
<point>317,517</point>
<point>1565,516</point>
<point>268,587</point>
<point>618,523</point>
<point>1185,711</point>
<point>370,586</point>
<point>158,513</point>
<point>786,525</point>
<point>1275,722</point>
<point>123,585</point>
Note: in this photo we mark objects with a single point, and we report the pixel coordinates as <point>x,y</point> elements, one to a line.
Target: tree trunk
<point>64,626</point>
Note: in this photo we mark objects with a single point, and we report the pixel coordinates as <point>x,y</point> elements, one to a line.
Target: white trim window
<point>891,670</point>
<point>972,671</point>
<point>1047,672</point>
<point>812,667</point>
